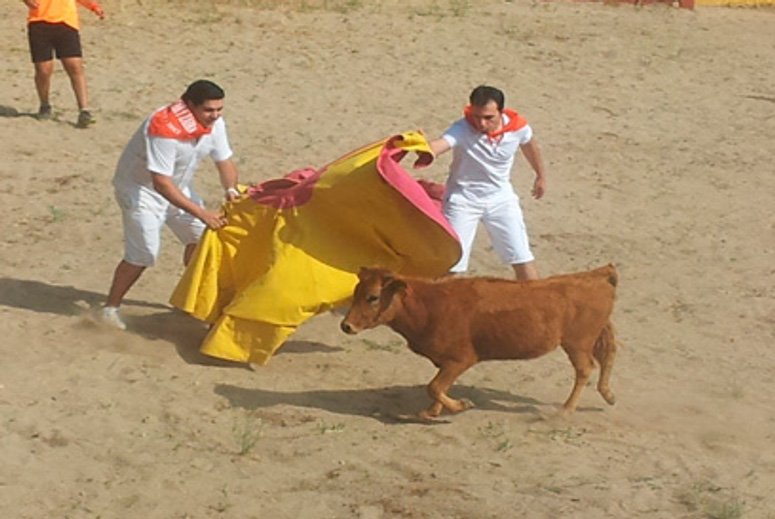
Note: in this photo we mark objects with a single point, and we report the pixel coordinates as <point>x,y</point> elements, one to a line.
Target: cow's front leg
<point>439,386</point>
<point>432,412</point>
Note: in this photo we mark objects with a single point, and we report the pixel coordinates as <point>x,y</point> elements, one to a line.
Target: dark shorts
<point>45,38</point>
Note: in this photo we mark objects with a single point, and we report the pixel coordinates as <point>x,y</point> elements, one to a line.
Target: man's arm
<point>439,146</point>
<point>533,155</point>
<point>229,178</point>
<point>167,188</point>
<point>93,7</point>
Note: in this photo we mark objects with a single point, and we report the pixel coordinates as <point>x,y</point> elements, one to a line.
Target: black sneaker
<point>85,119</point>
<point>44,112</point>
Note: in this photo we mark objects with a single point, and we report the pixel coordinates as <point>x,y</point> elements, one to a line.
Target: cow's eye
<point>372,299</point>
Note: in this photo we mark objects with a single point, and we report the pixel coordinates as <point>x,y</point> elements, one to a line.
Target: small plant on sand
<point>503,445</point>
<point>455,8</point>
<point>223,501</point>
<point>246,433</point>
<point>497,433</point>
<point>709,501</point>
<point>392,346</point>
<point>736,390</point>
<point>567,434</point>
<point>343,7</point>
<point>127,116</point>
<point>325,428</point>
<point>306,6</point>
<point>459,8</point>
<point>56,214</point>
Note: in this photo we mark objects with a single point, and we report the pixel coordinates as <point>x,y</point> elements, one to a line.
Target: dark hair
<point>483,94</point>
<point>202,90</point>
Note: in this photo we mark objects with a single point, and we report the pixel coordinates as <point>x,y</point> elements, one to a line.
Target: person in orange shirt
<point>52,26</point>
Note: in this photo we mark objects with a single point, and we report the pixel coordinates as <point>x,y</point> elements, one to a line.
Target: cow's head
<point>375,300</point>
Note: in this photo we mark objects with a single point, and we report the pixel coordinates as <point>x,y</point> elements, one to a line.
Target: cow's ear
<point>394,286</point>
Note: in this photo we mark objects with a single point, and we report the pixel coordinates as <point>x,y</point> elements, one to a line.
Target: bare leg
<point>43,72</point>
<point>525,270</point>
<point>438,387</point>
<point>188,253</point>
<point>74,69</point>
<point>125,276</point>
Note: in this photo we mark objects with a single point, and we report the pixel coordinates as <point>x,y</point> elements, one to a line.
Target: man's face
<point>208,112</point>
<point>486,118</point>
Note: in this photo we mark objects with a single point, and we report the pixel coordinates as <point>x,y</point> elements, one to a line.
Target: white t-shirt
<point>481,167</point>
<point>174,158</point>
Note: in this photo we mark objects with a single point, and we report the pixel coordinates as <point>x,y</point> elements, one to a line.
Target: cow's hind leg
<point>584,365</point>
<point>438,387</point>
<point>605,354</point>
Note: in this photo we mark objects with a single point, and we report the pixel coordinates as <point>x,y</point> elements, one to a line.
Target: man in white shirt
<point>484,144</point>
<point>154,183</point>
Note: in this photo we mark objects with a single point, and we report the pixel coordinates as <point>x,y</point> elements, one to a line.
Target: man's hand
<point>213,219</point>
<point>97,9</point>
<point>164,185</point>
<point>92,6</point>
<point>539,188</point>
<point>533,155</point>
<point>232,194</point>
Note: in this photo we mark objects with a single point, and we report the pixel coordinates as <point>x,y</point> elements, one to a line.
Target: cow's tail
<point>605,354</point>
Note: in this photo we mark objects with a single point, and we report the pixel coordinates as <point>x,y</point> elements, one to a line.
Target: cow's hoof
<point>566,412</point>
<point>429,417</point>
<point>467,404</point>
<point>608,396</point>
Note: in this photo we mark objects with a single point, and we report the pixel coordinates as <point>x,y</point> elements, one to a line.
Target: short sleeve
<point>161,155</point>
<point>524,134</point>
<point>454,134</point>
<point>221,150</point>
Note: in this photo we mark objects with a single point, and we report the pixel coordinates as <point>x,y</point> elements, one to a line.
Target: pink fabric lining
<point>296,188</point>
<point>424,195</point>
<point>293,190</point>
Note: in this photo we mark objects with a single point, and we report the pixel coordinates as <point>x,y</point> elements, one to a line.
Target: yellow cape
<point>282,260</point>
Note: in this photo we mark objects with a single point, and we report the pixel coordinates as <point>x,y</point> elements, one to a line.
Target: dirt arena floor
<point>656,126</point>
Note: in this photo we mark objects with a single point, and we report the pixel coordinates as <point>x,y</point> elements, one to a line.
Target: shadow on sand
<point>389,405</point>
<point>167,324</point>
<point>187,333</point>
<point>11,112</point>
<point>54,299</point>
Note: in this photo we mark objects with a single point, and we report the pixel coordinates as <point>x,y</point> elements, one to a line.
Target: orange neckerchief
<point>176,121</point>
<point>515,123</point>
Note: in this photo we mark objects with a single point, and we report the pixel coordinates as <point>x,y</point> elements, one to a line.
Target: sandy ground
<point>657,128</point>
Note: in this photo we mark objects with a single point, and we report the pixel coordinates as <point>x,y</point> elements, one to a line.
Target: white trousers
<point>503,220</point>
<point>144,214</point>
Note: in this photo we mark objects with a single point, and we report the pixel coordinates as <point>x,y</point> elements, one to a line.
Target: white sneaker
<point>110,316</point>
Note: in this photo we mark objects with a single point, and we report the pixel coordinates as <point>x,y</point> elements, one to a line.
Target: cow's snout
<point>346,328</point>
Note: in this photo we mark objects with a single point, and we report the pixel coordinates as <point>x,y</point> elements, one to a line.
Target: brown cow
<point>457,322</point>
